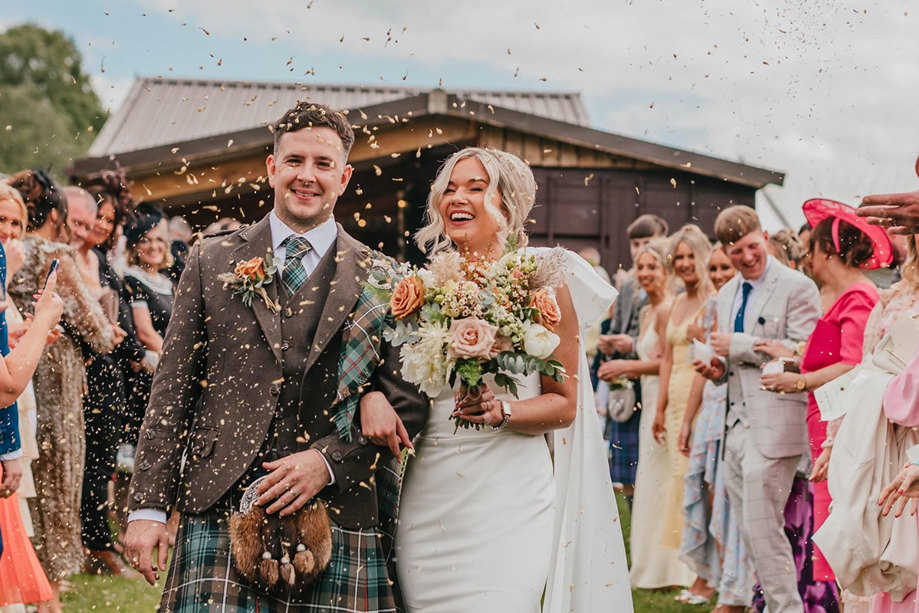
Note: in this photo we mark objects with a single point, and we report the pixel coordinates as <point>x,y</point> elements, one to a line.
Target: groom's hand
<point>142,538</point>
<point>292,482</point>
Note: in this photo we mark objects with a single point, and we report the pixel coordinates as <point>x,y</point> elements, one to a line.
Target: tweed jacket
<point>786,307</point>
<point>218,383</point>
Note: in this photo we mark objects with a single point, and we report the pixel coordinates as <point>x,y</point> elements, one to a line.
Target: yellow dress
<point>681,377</point>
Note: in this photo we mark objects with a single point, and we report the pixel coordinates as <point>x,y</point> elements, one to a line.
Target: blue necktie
<point>738,321</point>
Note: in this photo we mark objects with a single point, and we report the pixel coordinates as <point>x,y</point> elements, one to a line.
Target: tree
<point>49,112</point>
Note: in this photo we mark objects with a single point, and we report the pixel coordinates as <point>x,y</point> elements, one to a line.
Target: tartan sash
<point>360,352</point>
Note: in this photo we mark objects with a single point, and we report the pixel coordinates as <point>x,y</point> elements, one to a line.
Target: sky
<point>826,91</point>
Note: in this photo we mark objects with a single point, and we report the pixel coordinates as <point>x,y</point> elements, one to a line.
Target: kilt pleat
<point>202,577</point>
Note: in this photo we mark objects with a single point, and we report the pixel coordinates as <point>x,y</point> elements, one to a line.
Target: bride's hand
<point>382,425</point>
<point>478,406</point>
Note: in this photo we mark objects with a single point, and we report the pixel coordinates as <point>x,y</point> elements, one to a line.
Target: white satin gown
<point>489,524</point>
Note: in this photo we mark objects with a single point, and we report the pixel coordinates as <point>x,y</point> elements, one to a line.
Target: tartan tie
<point>294,274</point>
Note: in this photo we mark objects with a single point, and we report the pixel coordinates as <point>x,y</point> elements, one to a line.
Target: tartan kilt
<point>623,447</point>
<point>202,577</point>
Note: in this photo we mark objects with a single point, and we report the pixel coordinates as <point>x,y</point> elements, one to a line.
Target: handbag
<point>897,348</point>
<point>280,555</point>
<point>621,402</point>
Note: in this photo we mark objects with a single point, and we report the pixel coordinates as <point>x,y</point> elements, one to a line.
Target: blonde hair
<point>507,174</point>
<point>657,248</point>
<point>8,192</point>
<point>130,254</point>
<point>701,249</point>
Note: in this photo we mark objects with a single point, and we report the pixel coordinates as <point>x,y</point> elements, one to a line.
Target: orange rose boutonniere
<point>249,279</point>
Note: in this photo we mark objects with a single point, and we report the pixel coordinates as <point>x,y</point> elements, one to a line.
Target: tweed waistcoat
<point>299,318</point>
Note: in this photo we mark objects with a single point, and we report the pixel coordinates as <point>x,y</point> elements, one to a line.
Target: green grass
<point>101,593</point>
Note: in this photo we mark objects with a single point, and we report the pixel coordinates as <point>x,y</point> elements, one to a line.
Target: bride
<point>487,521</point>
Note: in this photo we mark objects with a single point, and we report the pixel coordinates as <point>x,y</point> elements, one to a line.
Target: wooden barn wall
<point>593,207</point>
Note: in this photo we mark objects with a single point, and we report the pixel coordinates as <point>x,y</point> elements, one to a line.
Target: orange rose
<point>408,297</point>
<point>548,312</point>
<point>252,269</point>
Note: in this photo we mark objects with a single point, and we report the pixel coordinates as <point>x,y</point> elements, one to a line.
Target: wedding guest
<point>105,400</point>
<point>22,580</point>
<point>616,347</point>
<point>180,237</point>
<point>711,543</point>
<point>151,297</point>
<point>59,379</point>
<point>842,246</point>
<point>786,247</point>
<point>766,434</point>
<point>898,404</point>
<point>80,218</point>
<point>653,565</point>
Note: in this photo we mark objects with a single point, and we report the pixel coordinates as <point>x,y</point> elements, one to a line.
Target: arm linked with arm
<point>354,462</point>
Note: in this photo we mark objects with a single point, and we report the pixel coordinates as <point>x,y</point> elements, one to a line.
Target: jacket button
<point>149,435</point>
<point>275,389</point>
<point>336,455</point>
<point>288,312</point>
<point>138,498</point>
<point>145,465</point>
<point>285,346</point>
<point>362,440</point>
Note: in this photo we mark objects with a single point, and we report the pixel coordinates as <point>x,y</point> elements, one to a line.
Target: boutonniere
<point>249,279</point>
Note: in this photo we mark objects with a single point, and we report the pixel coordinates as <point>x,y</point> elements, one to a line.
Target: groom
<point>271,388</point>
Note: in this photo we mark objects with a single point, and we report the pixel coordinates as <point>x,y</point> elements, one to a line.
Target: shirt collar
<point>321,238</point>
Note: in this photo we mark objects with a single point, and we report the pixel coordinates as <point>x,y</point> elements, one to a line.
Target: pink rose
<point>471,338</point>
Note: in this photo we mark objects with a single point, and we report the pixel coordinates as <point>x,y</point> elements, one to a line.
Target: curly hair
<point>41,196</point>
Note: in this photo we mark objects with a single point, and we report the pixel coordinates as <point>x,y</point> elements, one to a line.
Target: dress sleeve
<point>853,319</point>
<point>83,315</point>
<point>139,295</point>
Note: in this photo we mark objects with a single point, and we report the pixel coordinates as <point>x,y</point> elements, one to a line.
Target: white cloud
<point>825,90</point>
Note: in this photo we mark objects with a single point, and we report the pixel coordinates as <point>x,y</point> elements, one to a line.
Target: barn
<point>197,147</point>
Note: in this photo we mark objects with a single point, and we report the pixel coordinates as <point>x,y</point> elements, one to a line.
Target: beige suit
<point>766,432</point>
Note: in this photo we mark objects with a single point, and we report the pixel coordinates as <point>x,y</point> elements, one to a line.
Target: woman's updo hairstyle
<point>113,189</point>
<point>855,247</point>
<point>507,174</point>
<point>41,196</point>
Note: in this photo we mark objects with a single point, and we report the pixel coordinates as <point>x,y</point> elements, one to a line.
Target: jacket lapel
<point>725,304</point>
<point>257,242</point>
<point>344,290</point>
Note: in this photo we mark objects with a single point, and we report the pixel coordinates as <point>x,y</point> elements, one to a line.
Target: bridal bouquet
<point>458,317</point>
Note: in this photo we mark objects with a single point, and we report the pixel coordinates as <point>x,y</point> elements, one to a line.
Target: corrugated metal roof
<point>164,111</point>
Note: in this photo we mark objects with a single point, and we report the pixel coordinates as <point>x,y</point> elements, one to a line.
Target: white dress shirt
<point>321,239</point>
<point>738,297</point>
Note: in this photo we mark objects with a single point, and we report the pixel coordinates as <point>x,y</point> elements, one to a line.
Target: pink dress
<point>838,337</point>
<point>901,405</point>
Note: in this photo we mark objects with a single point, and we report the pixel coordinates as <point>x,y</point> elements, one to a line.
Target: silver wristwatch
<point>506,410</point>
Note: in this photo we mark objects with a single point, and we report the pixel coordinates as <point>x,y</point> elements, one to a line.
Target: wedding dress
<point>489,524</point>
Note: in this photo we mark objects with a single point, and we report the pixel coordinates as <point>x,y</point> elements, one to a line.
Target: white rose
<point>539,342</point>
